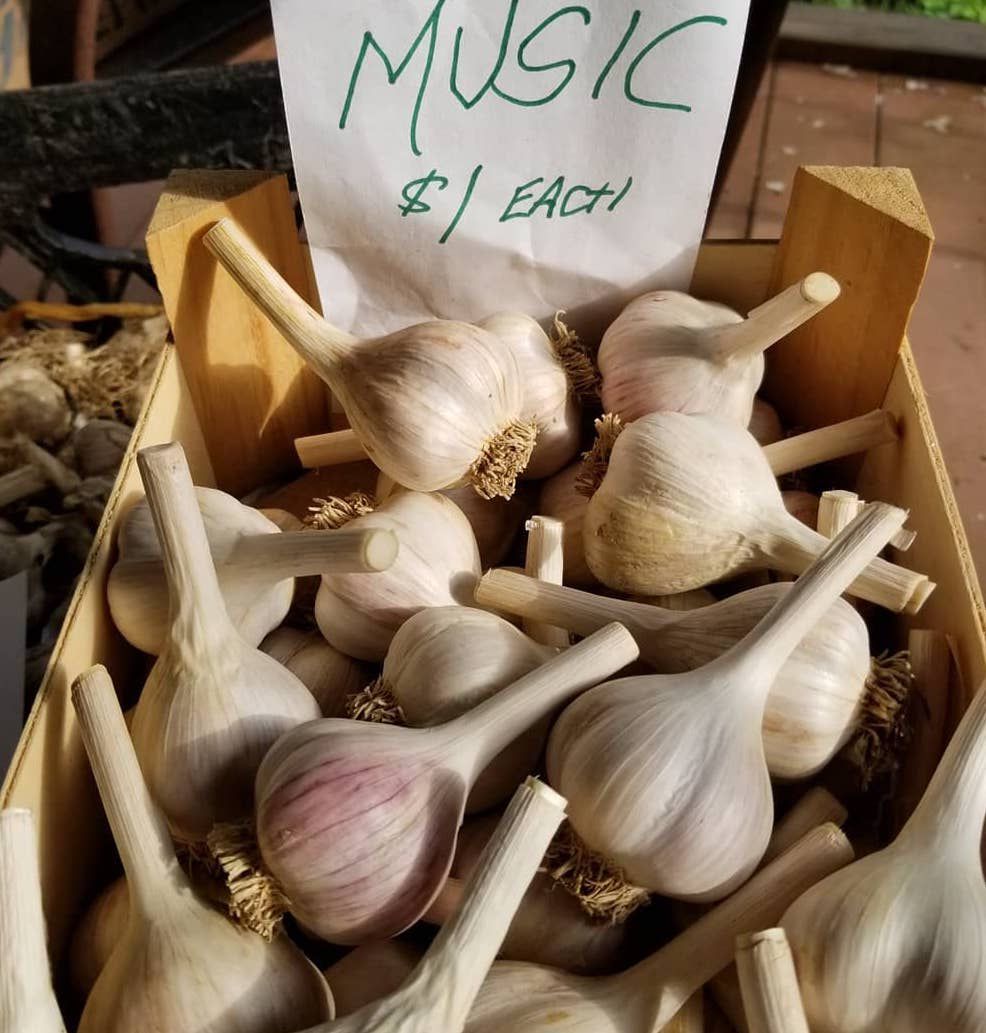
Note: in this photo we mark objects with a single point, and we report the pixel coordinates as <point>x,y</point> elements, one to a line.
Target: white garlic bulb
<point>665,774</point>
<point>548,397</point>
<point>433,405</point>
<point>690,500</point>
<point>212,705</point>
<point>437,565</point>
<point>898,940</point>
<point>668,351</point>
<point>27,1000</point>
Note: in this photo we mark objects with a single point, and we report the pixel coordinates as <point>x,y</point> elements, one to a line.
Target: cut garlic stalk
<point>519,998</point>
<point>212,705</point>
<point>440,991</point>
<point>545,561</point>
<point>898,940</point>
<point>561,499</point>
<point>446,660</point>
<point>837,509</point>
<point>330,676</point>
<point>816,701</point>
<point>665,774</point>
<point>689,500</point>
<point>255,563</point>
<point>179,965</point>
<point>433,405</point>
<point>859,434</point>
<point>396,796</point>
<point>27,1001</point>
<point>771,997</point>
<point>668,351</point>
<point>437,565</point>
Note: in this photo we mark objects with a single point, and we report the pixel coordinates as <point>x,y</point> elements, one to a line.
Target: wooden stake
<point>771,996</point>
<point>252,393</point>
<point>832,442</point>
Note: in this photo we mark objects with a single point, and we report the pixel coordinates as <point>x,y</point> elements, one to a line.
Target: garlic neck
<point>195,600</point>
<point>24,968</point>
<point>269,558</point>
<point>499,720</point>
<point>139,829</point>
<point>952,811</point>
<point>758,658</point>
<point>321,345</point>
<point>581,612</point>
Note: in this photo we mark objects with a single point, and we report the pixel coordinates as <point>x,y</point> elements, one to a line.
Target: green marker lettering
<point>594,197</point>
<point>549,199</point>
<point>518,198</point>
<point>617,54</point>
<point>430,29</point>
<point>611,207</point>
<point>527,67</point>
<point>501,56</point>
<point>705,19</point>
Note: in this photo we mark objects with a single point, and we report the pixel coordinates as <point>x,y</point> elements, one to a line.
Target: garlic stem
<point>817,807</point>
<point>670,976</point>
<point>330,449</point>
<point>445,983</point>
<point>20,483</point>
<point>775,318</point>
<point>194,595</point>
<point>836,510</point>
<point>765,649</point>
<point>860,434</point>
<point>545,561</point>
<point>138,827</point>
<point>952,812</point>
<point>299,553</point>
<point>522,704</point>
<point>771,995</point>
<point>320,344</point>
<point>25,980</point>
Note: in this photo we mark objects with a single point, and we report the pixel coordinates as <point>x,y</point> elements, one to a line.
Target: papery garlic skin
<point>654,358</point>
<point>765,423</point>
<point>138,593</point>
<point>96,935</point>
<point>437,565</point>
<point>547,395</point>
<point>370,972</point>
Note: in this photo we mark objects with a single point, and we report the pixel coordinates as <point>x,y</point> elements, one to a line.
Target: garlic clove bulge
<point>433,405</point>
<point>690,500</point>
<point>180,965</point>
<point>212,705</point>
<point>357,822</point>
<point>765,424</point>
<point>27,1000</point>
<point>665,774</point>
<point>437,565</point>
<point>369,972</point>
<point>898,940</point>
<point>668,351</point>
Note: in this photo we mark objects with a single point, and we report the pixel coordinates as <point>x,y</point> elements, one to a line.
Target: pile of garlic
<point>343,699</point>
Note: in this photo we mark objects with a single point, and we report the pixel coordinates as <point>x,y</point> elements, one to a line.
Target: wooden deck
<point>812,115</point>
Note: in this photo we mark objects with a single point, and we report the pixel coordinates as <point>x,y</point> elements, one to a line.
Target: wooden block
<point>868,228</point>
<point>252,393</point>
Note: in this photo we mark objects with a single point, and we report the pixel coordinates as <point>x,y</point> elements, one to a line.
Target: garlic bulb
<point>444,661</point>
<point>433,405</point>
<point>803,505</point>
<point>898,941</point>
<point>549,928</point>
<point>665,774</point>
<point>437,565</point>
<point>180,965</point>
<point>548,399</point>
<point>561,499</point>
<point>816,700</point>
<point>443,986</point>
<point>99,447</point>
<point>256,565</point>
<point>495,522</point>
<point>689,500</point>
<point>668,351</point>
<point>212,705</point>
<point>96,935</point>
<point>32,404</point>
<point>27,1001</point>
<point>396,797</point>
<point>369,972</point>
<point>765,425</point>
<point>521,998</point>
<point>330,676</point>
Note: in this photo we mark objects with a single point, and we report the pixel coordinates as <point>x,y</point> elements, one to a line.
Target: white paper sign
<point>460,157</point>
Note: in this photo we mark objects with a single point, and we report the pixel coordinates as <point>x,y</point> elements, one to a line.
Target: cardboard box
<point>236,396</point>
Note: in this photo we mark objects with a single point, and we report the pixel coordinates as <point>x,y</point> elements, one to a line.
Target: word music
<point>549,79</point>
